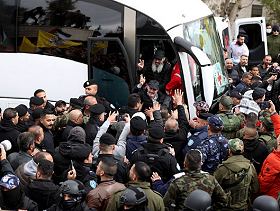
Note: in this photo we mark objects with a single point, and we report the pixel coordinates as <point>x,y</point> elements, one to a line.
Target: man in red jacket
<point>269,177</point>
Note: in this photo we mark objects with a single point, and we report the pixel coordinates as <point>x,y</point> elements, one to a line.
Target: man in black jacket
<point>157,69</point>
<point>176,131</point>
<point>95,121</point>
<point>46,122</point>
<point>42,94</point>
<point>150,94</point>
<point>8,129</point>
<point>75,119</point>
<point>42,190</point>
<point>242,66</point>
<point>23,117</point>
<point>254,150</point>
<point>156,154</point>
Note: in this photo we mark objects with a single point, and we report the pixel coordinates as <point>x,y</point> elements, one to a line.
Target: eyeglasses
<point>276,30</point>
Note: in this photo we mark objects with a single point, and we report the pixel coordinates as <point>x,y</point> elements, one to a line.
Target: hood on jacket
<point>7,125</point>
<point>236,162</point>
<point>30,168</point>
<point>77,135</point>
<point>250,144</point>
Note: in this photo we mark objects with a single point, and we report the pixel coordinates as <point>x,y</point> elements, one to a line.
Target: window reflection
<point>203,34</point>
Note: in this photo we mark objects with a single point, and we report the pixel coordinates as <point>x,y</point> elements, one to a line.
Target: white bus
<point>113,34</point>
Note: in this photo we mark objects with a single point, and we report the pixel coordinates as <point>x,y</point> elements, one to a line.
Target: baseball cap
<point>236,94</point>
<point>201,106</point>
<point>225,101</point>
<point>215,122</point>
<point>58,103</point>
<point>154,84</point>
<point>236,145</point>
<point>9,181</point>
<point>159,54</point>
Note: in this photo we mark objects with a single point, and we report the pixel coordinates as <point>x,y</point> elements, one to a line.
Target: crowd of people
<point>147,155</point>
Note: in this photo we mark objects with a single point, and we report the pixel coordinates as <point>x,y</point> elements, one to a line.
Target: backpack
<point>231,124</point>
<point>153,158</point>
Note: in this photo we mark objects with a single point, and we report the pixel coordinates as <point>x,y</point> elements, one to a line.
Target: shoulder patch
<point>93,184</point>
<point>190,142</point>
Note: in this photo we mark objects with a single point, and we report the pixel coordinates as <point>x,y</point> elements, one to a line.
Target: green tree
<point>273,7</point>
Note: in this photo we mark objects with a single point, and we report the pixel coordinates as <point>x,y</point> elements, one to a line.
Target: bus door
<point>255,37</point>
<point>108,64</point>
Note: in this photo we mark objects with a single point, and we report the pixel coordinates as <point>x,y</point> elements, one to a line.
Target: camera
<point>264,105</point>
<point>6,144</point>
<point>120,118</point>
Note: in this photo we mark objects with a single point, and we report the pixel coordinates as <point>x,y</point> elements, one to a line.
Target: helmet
<point>263,203</point>
<point>73,187</point>
<point>198,200</point>
<point>133,196</point>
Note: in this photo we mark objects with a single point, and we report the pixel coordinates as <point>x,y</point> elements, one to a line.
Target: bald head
<point>90,100</point>
<point>38,133</point>
<point>171,125</point>
<point>76,116</point>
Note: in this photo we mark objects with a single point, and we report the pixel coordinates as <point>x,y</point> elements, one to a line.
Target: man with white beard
<point>157,69</point>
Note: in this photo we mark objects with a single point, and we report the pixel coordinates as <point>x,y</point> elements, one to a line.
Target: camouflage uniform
<point>214,149</point>
<point>231,124</point>
<point>154,198</point>
<point>181,187</point>
<point>229,172</point>
<point>238,177</point>
<point>268,138</point>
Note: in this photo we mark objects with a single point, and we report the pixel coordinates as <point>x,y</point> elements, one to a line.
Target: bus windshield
<point>202,33</point>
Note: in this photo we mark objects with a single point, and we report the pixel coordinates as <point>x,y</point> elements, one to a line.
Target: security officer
<point>23,115</point>
<point>34,103</point>
<point>134,199</point>
<point>180,188</point>
<point>267,134</point>
<point>237,176</point>
<point>263,203</point>
<point>95,121</point>
<point>156,154</point>
<point>91,88</point>
<point>231,122</point>
<point>83,167</point>
<point>198,133</point>
<point>198,200</point>
<point>214,147</point>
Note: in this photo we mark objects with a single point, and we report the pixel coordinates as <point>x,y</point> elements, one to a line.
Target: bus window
<point>73,20</point>
<point>196,79</point>
<point>202,33</point>
<point>109,66</point>
<point>8,10</point>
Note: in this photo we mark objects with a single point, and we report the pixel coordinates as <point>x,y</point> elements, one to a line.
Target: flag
<point>46,39</point>
<point>5,44</point>
<point>60,33</point>
<point>98,47</point>
<point>4,40</point>
<point>26,46</point>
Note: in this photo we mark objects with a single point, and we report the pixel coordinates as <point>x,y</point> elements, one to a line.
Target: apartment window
<point>256,11</point>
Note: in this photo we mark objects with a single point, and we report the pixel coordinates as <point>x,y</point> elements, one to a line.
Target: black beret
<point>203,115</point>
<point>97,109</point>
<point>37,113</point>
<point>36,101</point>
<point>21,109</point>
<point>258,93</point>
<point>58,103</point>
<point>108,139</point>
<point>81,151</point>
<point>137,123</point>
<point>90,82</point>
<point>76,103</point>
<point>156,132</point>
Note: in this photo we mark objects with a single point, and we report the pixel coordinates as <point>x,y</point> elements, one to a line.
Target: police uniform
<point>197,134</point>
<point>238,177</point>
<point>214,148</point>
